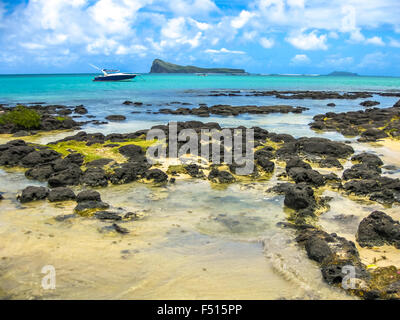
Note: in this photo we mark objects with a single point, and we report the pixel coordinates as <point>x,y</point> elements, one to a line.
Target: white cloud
<point>224,50</point>
<point>169,28</point>
<point>249,35</point>
<point>374,60</point>
<point>242,19</point>
<point>300,59</point>
<point>190,8</point>
<point>177,32</point>
<point>337,60</point>
<point>115,16</point>
<point>394,43</point>
<point>375,41</point>
<point>267,43</point>
<point>104,45</point>
<point>296,3</point>
<point>310,41</point>
<point>138,49</point>
<point>32,45</point>
<point>174,28</point>
<point>333,35</point>
<point>356,36</point>
<point>200,25</point>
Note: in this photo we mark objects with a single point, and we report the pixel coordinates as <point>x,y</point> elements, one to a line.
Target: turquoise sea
<point>157,90</point>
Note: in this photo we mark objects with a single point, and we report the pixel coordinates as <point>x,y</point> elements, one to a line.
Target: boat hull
<point>115,77</point>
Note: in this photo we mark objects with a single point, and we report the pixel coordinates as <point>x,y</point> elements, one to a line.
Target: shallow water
<point>185,246</point>
<point>192,241</point>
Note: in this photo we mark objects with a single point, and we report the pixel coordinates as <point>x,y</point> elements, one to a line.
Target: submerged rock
<point>84,207</point>
<point>114,228</point>
<point>116,117</point>
<point>107,215</point>
<point>80,110</point>
<point>369,103</point>
<point>228,110</point>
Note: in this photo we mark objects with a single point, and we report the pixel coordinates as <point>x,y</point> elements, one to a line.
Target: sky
<point>260,36</point>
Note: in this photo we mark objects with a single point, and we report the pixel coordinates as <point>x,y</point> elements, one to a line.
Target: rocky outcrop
<point>116,117</point>
<point>319,147</point>
<point>292,94</point>
<point>89,201</point>
<point>33,193</point>
<point>24,120</point>
<point>227,110</point>
<point>371,124</point>
<point>378,229</point>
<point>364,179</point>
<point>300,197</point>
<point>61,194</point>
<point>369,103</point>
<point>160,66</point>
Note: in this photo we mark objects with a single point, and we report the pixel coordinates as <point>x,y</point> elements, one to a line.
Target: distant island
<point>342,74</point>
<point>160,66</point>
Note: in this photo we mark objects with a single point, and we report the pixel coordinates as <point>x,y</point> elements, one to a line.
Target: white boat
<point>114,75</point>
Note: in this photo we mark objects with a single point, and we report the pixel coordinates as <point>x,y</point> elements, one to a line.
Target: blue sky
<point>261,36</point>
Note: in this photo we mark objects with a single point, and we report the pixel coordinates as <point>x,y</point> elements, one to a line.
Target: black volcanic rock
<point>378,229</point>
<point>33,193</point>
<point>116,117</point>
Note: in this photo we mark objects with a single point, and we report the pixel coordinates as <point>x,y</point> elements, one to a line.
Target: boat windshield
<point>107,71</point>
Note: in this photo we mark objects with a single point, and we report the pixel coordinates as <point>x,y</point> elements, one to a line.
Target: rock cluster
<point>371,124</point>
<point>51,117</point>
<point>227,110</point>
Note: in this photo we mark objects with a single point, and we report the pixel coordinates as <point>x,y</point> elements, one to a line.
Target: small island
<point>343,74</point>
<point>160,66</point>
